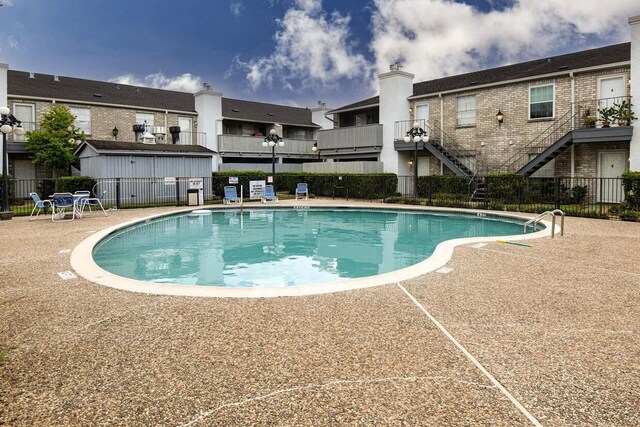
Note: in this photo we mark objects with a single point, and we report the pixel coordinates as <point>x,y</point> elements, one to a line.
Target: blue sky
<point>295,52</point>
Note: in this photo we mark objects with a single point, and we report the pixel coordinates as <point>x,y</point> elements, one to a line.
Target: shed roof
<point>237,109</point>
<point>129,148</point>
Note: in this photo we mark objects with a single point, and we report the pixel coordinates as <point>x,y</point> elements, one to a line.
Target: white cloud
<point>6,2</point>
<point>236,8</point>
<point>312,48</point>
<point>434,38</point>
<point>183,83</point>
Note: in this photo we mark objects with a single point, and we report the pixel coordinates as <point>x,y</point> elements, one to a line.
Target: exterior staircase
<point>462,162</point>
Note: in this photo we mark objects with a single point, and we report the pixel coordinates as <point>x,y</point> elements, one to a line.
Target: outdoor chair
<point>268,194</point>
<point>302,191</point>
<point>63,204</point>
<point>230,195</point>
<point>39,204</point>
<point>90,202</point>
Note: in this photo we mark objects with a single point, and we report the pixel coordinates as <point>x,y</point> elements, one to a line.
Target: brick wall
<point>105,118</point>
<point>517,130</point>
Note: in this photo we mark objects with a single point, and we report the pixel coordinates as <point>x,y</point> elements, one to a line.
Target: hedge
<point>71,184</point>
<point>360,186</point>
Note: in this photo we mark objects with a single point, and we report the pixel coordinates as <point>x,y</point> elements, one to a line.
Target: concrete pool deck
<point>555,324</point>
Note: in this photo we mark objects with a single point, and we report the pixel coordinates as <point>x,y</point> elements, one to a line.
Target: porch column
<point>634,145</point>
<point>209,107</point>
<point>395,87</point>
<point>3,102</point>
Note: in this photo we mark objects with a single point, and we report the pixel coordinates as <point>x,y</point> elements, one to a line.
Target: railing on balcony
<point>353,138</point>
<point>233,145</point>
<point>27,126</point>
<point>189,138</point>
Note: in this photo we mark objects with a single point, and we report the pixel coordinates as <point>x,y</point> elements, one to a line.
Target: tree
<point>53,145</point>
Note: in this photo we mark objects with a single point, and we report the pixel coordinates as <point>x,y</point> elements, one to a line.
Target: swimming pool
<point>266,248</point>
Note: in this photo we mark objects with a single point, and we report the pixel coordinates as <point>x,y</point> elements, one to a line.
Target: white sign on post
<point>170,180</point>
<point>255,189</point>
<point>196,183</point>
<point>233,180</point>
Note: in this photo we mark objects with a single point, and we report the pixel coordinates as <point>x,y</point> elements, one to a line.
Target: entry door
<point>423,166</point>
<point>611,164</point>
<point>186,137</point>
<point>612,91</point>
<point>422,114</point>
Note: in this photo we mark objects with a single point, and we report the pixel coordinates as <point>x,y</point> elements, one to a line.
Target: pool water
<point>284,247</point>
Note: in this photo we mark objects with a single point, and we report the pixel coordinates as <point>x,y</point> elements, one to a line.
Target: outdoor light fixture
<point>499,118</point>
<point>416,134</point>
<point>8,124</point>
<point>114,132</point>
<point>271,140</point>
<point>315,149</point>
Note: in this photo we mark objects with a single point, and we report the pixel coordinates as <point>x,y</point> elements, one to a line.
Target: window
<point>541,102</point>
<point>361,119</point>
<point>24,113</point>
<point>466,108</point>
<point>83,119</point>
<point>141,118</point>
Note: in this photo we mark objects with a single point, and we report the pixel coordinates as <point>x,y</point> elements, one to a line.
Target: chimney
<point>32,75</point>
<point>56,78</point>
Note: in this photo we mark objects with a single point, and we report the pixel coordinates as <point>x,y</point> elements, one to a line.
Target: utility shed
<point>120,159</point>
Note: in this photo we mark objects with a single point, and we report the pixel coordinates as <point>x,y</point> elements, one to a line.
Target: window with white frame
<point>26,114</point>
<point>466,110</point>
<point>83,119</point>
<point>541,102</point>
<point>145,118</point>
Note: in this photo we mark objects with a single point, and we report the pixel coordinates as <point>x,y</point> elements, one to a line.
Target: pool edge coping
<point>82,262</point>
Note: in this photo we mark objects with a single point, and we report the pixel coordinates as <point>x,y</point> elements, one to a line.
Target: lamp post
<point>416,134</point>
<point>8,123</point>
<point>272,140</point>
<point>316,150</point>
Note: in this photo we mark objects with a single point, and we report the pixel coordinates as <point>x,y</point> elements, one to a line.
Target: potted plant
<point>625,113</point>
<point>588,120</point>
<point>607,114</point>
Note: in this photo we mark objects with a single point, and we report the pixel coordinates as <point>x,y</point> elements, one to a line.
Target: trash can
<point>193,196</point>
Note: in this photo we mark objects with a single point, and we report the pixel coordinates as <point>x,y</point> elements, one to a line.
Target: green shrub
<point>631,184</point>
<point>508,188</point>
<point>71,184</point>
<point>579,193</point>
<point>629,215</point>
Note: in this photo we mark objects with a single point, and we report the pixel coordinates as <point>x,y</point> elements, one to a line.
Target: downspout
<point>166,115</point>
<point>441,128</point>
<point>573,126</point>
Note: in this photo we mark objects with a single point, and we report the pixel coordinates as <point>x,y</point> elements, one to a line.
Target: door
<point>611,164</point>
<point>186,136</point>
<point>611,91</point>
<point>423,166</point>
<point>422,115</point>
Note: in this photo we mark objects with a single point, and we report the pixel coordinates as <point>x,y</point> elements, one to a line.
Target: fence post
<point>486,192</point>
<point>177,191</point>
<point>117,193</point>
<point>557,193</point>
<point>430,200</point>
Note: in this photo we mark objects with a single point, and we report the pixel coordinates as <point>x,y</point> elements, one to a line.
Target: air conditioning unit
<point>159,130</point>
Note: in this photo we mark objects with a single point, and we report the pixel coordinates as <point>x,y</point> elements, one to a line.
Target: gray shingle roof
<point>137,147</point>
<point>97,92</point>
<point>237,109</point>
<point>562,63</point>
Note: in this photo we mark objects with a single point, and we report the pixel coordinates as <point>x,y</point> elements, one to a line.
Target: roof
<point>114,147</point>
<point>562,63</point>
<point>618,53</point>
<point>96,92</point>
<point>373,101</point>
<point>237,109</point>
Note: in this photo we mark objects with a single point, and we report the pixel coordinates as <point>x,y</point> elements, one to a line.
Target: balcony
<point>189,138</point>
<point>360,139</point>
<point>238,145</point>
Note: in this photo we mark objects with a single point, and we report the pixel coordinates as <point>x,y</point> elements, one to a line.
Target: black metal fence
<point>590,197</point>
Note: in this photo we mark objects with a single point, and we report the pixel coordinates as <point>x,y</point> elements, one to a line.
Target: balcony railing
<point>27,126</point>
<point>189,138</point>
<point>353,138</point>
<point>232,145</point>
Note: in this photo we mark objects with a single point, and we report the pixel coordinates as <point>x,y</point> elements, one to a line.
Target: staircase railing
<point>547,138</point>
<point>463,155</point>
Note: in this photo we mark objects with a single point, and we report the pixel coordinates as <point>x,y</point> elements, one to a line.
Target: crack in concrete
<point>209,412</point>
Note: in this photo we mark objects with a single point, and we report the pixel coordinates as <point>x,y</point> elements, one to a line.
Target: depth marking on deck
<point>491,378</point>
<point>444,270</point>
<point>64,251</point>
<point>67,275</point>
